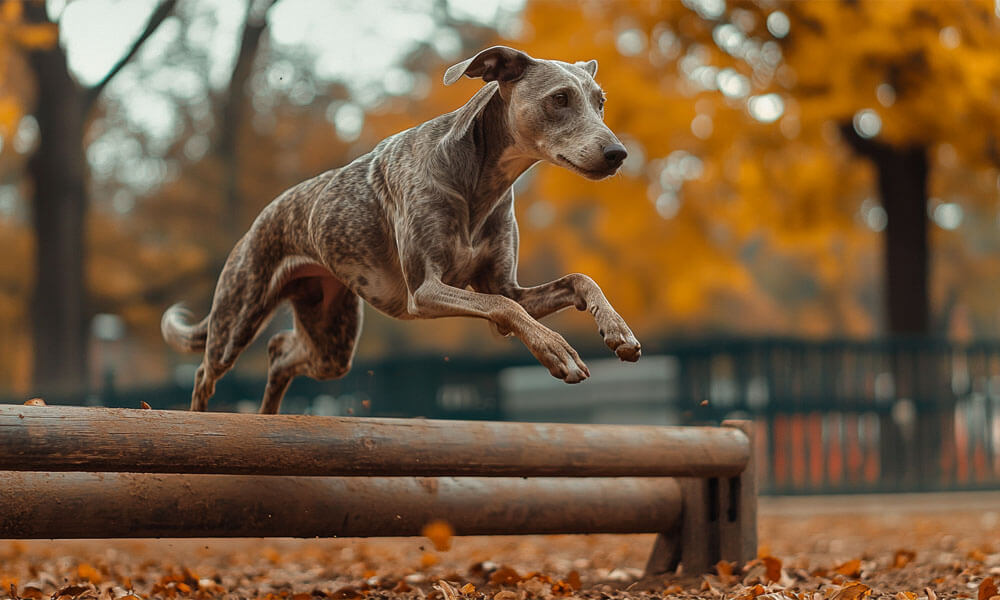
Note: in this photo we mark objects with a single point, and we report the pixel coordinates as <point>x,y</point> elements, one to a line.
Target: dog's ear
<point>498,63</point>
<point>465,116</point>
<point>590,66</point>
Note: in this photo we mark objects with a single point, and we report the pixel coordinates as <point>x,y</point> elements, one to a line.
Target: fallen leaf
<point>447,590</point>
<point>428,560</point>
<point>88,573</point>
<point>402,587</point>
<point>773,568</point>
<point>505,576</point>
<point>903,558</point>
<point>851,568</point>
<point>35,402</point>
<point>749,593</point>
<point>71,591</point>
<point>987,589</point>
<point>725,571</point>
<point>906,596</point>
<point>852,591</point>
<point>32,592</point>
<point>468,589</point>
<point>573,579</point>
<point>346,593</point>
<point>144,405</point>
<point>439,533</point>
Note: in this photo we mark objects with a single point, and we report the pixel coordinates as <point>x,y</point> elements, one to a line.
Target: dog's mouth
<point>589,173</point>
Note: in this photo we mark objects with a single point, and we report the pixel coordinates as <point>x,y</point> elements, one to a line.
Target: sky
<point>357,43</point>
<point>351,40</point>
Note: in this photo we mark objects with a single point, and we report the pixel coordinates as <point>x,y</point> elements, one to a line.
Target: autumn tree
<point>60,310</point>
<point>758,99</point>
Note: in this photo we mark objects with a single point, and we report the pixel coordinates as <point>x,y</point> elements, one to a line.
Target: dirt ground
<point>846,548</point>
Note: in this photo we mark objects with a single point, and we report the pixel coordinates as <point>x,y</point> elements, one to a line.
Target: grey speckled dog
<point>420,227</point>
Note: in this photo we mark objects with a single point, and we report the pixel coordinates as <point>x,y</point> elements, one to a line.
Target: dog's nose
<point>615,154</point>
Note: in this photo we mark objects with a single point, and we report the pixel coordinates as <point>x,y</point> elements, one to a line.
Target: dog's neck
<point>499,160</point>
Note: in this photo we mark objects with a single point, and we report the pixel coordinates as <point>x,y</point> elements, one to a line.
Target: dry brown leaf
<point>751,592</point>
<point>725,571</point>
<point>903,558</point>
<point>145,406</point>
<point>987,589</point>
<point>35,402</point>
<point>428,560</point>
<point>573,580</point>
<point>851,568</point>
<point>448,592</point>
<point>852,591</point>
<point>906,596</point>
<point>439,533</point>
<point>402,587</point>
<point>773,568</point>
<point>71,591</point>
<point>506,595</point>
<point>468,589</point>
<point>88,573</point>
<point>346,593</point>
<point>505,576</point>
<point>32,592</point>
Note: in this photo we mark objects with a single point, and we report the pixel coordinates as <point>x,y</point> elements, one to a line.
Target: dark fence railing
<point>832,416</point>
<point>897,415</point>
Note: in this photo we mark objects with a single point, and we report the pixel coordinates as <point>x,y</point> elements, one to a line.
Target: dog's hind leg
<point>243,303</point>
<point>327,326</point>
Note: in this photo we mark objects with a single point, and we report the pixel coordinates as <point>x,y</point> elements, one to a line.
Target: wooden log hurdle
<point>103,473</point>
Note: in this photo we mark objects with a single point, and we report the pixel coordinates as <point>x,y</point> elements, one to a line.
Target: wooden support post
<point>719,521</point>
<point>738,503</point>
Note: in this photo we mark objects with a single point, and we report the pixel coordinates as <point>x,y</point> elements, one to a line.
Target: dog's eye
<point>561,99</point>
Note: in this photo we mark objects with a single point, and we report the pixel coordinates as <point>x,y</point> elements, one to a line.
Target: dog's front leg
<point>433,299</point>
<point>582,292</point>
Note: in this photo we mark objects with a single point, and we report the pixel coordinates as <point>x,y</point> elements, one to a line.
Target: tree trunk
<point>902,176</point>
<point>61,301</point>
<point>902,183</point>
<point>233,117</point>
<point>60,304</point>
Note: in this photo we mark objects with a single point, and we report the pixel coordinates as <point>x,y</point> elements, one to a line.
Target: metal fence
<point>832,416</point>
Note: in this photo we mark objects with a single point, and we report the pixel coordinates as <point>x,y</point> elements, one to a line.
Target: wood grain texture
<point>155,441</point>
<point>111,505</point>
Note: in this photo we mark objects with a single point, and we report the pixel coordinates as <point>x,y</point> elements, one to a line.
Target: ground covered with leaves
<point>851,548</point>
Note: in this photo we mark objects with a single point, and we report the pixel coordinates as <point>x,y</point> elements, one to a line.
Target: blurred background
<point>806,231</point>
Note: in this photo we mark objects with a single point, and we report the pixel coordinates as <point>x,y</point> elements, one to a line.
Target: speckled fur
<point>420,227</point>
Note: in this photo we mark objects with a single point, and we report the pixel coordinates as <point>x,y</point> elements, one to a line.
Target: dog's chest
<point>466,260</point>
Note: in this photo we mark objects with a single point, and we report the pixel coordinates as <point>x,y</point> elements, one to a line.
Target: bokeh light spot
<point>867,123</point>
<point>778,24</point>
<point>766,108</point>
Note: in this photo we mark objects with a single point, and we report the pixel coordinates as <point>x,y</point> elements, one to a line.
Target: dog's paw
<point>562,361</point>
<point>621,340</point>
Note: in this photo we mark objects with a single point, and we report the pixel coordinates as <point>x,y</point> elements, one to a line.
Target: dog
<point>421,227</point>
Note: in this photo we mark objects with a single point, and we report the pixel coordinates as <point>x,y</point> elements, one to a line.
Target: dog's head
<point>555,110</point>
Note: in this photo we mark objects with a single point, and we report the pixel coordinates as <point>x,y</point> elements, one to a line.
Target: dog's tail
<point>179,333</point>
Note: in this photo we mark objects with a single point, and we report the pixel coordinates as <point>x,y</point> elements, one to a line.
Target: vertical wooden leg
<point>738,507</point>
<point>718,521</point>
